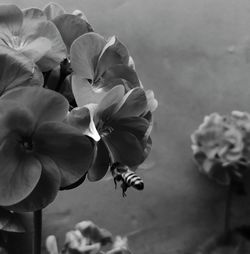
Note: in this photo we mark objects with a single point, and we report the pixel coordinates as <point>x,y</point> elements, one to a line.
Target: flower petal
<point>125,148</point>
<point>67,147</point>
<point>101,163</point>
<point>134,103</point>
<point>91,131</point>
<point>19,172</point>
<point>85,93</point>
<point>152,102</point>
<point>46,29</point>
<point>46,189</point>
<point>31,16</point>
<point>79,118</point>
<point>17,70</point>
<point>117,72</point>
<point>37,48</point>
<point>109,102</point>
<point>138,126</point>
<point>51,245</point>
<point>80,14</point>
<point>15,119</point>
<point>46,105</point>
<point>71,27</point>
<point>11,18</point>
<point>114,52</point>
<point>84,54</point>
<point>53,10</point>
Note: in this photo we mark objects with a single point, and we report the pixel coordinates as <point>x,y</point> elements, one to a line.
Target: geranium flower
<point>30,33</point>
<point>38,153</point>
<point>217,141</point>
<point>99,65</point>
<point>17,70</point>
<point>119,127</point>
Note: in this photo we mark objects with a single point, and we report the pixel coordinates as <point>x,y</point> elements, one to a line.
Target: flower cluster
<point>71,104</point>
<point>90,239</point>
<point>221,145</point>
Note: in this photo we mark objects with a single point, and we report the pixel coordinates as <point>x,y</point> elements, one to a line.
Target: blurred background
<point>195,55</point>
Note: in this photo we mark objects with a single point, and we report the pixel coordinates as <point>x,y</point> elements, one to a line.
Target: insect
<point>128,178</point>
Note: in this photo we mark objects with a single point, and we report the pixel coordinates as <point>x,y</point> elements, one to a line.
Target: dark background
<point>195,55</point>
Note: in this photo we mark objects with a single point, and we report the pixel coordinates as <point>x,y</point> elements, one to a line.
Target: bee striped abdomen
<point>131,179</point>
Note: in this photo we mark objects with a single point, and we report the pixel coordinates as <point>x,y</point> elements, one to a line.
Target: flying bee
<point>128,178</point>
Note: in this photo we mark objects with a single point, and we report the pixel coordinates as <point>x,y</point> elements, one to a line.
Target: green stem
<point>37,220</point>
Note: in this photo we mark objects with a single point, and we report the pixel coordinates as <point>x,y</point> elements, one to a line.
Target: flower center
<point>26,144</point>
<point>104,129</point>
<point>17,43</point>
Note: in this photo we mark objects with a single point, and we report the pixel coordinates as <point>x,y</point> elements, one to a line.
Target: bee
<point>128,178</point>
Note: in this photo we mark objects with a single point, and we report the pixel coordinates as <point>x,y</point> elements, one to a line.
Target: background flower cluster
<point>88,238</point>
<point>221,145</point>
<point>71,104</point>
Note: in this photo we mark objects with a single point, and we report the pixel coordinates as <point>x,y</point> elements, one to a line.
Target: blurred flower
<point>99,65</point>
<point>88,238</point>
<point>93,233</point>
<point>120,246</point>
<point>218,141</point>
<point>51,245</point>
<point>30,33</point>
<point>76,243</point>
<point>118,126</point>
<point>38,153</point>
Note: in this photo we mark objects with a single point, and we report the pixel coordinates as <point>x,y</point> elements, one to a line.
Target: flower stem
<point>227,218</point>
<point>37,222</point>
